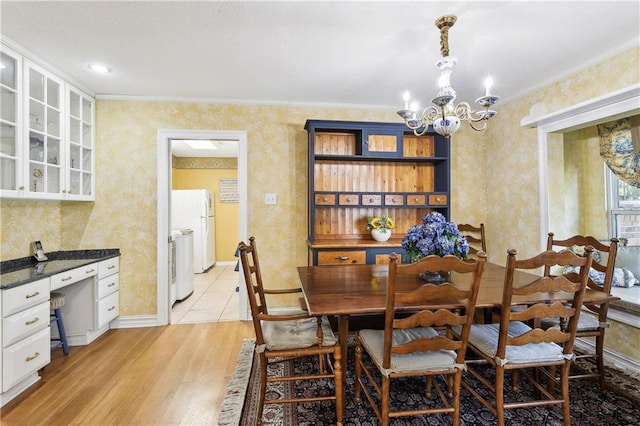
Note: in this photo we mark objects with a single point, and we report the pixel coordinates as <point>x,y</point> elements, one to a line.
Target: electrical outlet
<point>270,198</point>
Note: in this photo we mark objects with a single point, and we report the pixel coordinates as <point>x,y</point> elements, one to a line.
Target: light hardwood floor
<point>174,374</point>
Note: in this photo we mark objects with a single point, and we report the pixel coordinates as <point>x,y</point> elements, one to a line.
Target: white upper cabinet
<point>80,158</point>
<point>43,102</point>
<point>47,150</point>
<point>10,123</point>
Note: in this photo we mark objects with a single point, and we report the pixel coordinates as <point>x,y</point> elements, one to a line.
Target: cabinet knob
<point>29,296</point>
<point>438,199</point>
<point>21,188</point>
<point>348,199</point>
<point>33,321</point>
<point>32,357</point>
<point>416,199</point>
<point>371,200</point>
<point>342,257</point>
<point>324,199</point>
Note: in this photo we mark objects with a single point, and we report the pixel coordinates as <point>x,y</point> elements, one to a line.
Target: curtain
<point>620,148</point>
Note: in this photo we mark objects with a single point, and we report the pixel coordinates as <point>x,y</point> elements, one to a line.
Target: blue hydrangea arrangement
<point>435,236</point>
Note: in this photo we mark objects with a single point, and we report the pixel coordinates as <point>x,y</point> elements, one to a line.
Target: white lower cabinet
<point>108,291</point>
<point>25,332</point>
<point>25,358</point>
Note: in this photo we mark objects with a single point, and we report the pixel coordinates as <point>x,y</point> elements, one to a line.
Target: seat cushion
<point>484,337</point>
<point>586,322</point>
<point>373,342</point>
<point>296,334</point>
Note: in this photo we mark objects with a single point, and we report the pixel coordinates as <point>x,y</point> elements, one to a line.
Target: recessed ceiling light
<point>200,144</point>
<point>99,68</point>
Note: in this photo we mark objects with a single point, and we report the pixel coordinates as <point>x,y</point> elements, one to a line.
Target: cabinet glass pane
<point>7,105</point>
<point>74,182</point>
<point>36,147</point>
<point>53,179</point>
<point>53,122</point>
<point>36,177</point>
<point>8,139</point>
<point>86,160</point>
<point>74,156</point>
<point>75,127</point>
<point>74,104</point>
<point>87,113</point>
<point>53,151</point>
<point>8,75</point>
<point>7,173</point>
<point>86,184</point>
<point>36,85</point>
<point>36,116</point>
<point>53,94</point>
<point>86,135</point>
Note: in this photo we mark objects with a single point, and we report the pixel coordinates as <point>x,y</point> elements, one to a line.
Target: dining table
<point>346,290</point>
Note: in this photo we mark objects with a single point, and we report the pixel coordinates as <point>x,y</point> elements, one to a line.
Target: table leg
<point>343,335</point>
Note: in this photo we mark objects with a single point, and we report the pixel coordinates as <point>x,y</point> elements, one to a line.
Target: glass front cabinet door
<point>10,123</point>
<point>45,150</point>
<point>80,158</point>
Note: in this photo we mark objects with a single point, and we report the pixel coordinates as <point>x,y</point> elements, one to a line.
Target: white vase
<point>380,235</point>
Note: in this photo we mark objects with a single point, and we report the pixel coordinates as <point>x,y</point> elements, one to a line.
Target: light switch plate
<point>270,198</point>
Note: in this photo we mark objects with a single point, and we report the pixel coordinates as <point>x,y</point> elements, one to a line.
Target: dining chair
<point>475,235</point>
<point>418,342</point>
<point>512,345</point>
<point>595,322</point>
<point>284,337</point>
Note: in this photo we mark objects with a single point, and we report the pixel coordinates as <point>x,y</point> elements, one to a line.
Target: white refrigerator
<point>194,209</point>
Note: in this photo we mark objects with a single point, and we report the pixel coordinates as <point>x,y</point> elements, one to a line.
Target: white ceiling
<point>354,53</point>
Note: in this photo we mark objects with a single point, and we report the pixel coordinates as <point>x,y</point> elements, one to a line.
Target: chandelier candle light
<point>445,116</point>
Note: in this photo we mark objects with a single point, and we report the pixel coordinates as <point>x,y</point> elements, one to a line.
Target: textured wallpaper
<point>494,180</point>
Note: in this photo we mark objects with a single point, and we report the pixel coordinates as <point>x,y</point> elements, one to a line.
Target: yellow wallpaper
<point>494,179</point>
<point>226,214</point>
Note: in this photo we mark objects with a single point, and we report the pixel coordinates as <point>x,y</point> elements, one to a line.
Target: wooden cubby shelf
<point>358,170</point>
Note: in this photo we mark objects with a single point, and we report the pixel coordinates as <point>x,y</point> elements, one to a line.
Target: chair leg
<point>358,371</point>
<point>384,404</point>
<point>337,368</point>
<point>457,379</point>
<point>564,385</point>
<point>263,388</point>
<point>600,359</point>
<point>61,331</point>
<point>500,395</point>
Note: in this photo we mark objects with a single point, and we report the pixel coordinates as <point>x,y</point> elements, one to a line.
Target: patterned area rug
<point>620,406</point>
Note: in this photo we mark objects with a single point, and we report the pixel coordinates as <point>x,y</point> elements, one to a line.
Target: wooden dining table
<point>347,290</point>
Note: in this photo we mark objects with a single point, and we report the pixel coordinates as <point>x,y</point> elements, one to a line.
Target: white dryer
<point>184,262</point>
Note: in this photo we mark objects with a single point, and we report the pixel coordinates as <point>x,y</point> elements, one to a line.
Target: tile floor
<point>214,298</point>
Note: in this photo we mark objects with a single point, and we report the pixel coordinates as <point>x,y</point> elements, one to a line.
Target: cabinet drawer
<point>108,267</point>
<point>25,296</point>
<point>108,308</point>
<point>437,199</point>
<point>371,199</point>
<point>342,257</point>
<point>108,285</point>
<point>18,326</point>
<point>73,276</point>
<point>416,200</point>
<point>393,200</point>
<point>325,199</point>
<point>25,357</point>
<point>348,200</point>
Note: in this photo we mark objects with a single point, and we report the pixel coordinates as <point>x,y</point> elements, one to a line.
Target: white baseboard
<point>135,321</point>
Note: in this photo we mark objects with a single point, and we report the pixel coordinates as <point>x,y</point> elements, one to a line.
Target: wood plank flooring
<point>167,375</point>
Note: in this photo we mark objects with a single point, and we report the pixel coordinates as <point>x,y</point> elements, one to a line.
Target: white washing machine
<point>184,262</point>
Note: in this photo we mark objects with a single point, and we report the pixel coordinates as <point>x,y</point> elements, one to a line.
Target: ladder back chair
<point>475,235</point>
<point>411,345</point>
<point>595,324</point>
<point>512,345</point>
<point>285,337</point>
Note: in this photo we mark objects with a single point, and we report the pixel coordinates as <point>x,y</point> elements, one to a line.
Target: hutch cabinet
<point>358,170</point>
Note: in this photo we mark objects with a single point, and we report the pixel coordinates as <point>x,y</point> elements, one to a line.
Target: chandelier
<point>445,116</point>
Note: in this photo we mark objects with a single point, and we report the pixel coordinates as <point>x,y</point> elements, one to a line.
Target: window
<point>624,211</point>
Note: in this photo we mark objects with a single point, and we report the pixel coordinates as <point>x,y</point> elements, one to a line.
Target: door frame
<point>163,215</point>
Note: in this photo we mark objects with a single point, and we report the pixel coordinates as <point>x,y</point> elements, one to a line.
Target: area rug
<point>619,406</point>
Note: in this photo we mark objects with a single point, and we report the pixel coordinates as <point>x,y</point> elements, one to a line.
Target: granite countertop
<point>25,270</point>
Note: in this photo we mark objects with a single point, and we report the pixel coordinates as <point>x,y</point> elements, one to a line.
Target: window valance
<point>620,148</point>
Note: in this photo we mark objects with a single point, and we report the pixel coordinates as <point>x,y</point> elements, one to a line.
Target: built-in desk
<point>90,281</point>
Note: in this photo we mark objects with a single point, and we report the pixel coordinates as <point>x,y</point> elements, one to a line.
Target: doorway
<point>165,138</point>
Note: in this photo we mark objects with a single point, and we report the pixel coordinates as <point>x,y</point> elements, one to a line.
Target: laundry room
<point>204,230</point>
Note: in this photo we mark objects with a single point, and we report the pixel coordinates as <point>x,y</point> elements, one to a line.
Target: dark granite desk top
<point>25,270</point>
